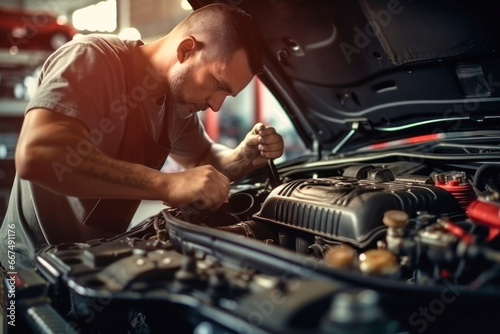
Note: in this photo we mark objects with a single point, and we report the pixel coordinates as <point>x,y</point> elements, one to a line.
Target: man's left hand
<point>260,144</point>
<point>265,143</point>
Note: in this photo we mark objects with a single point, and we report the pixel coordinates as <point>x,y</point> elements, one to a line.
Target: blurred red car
<point>32,30</point>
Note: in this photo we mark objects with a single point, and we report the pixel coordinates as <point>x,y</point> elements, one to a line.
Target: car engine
<point>427,227</point>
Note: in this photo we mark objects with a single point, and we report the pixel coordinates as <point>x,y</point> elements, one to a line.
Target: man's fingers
<point>211,197</point>
<point>202,187</point>
<point>266,131</point>
<point>274,145</point>
<point>267,141</point>
<point>271,154</point>
<point>216,191</point>
<point>257,128</point>
<point>277,146</point>
<point>270,143</point>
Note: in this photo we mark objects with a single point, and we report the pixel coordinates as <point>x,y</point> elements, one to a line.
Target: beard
<point>183,109</point>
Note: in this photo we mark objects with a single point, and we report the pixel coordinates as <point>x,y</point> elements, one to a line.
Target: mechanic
<point>106,115</point>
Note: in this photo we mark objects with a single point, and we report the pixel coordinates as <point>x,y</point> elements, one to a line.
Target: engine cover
<point>350,210</point>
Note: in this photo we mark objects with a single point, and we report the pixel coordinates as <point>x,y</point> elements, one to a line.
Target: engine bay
<point>395,247</point>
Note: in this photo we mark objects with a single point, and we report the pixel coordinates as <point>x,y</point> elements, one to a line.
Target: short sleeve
<point>81,80</point>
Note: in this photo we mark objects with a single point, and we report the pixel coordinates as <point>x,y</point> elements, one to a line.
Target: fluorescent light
<point>100,17</point>
<point>186,5</point>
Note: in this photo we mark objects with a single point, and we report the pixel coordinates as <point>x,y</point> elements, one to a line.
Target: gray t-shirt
<point>87,79</point>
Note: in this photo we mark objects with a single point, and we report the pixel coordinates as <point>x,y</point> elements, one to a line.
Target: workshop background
<point>30,30</point>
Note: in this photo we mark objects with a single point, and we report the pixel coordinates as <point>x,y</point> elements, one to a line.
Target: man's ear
<point>186,48</point>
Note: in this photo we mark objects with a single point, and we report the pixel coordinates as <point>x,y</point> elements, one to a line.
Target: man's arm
<point>260,144</point>
<point>42,157</point>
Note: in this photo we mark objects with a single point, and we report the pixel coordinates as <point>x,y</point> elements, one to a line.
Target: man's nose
<point>215,101</point>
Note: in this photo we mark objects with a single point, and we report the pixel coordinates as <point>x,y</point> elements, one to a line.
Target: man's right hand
<point>202,188</point>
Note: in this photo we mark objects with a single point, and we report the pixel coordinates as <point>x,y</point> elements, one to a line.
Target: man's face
<point>199,84</point>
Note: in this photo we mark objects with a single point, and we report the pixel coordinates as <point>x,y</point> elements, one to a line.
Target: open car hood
<point>354,73</point>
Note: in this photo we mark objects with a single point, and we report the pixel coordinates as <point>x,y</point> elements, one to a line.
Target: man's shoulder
<point>104,43</point>
<point>97,38</point>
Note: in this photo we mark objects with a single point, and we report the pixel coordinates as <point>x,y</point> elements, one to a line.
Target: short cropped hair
<point>230,29</point>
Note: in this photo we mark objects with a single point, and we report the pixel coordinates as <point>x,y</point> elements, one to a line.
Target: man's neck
<point>150,74</point>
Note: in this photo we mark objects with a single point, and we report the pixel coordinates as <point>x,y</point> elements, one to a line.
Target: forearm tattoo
<point>113,171</point>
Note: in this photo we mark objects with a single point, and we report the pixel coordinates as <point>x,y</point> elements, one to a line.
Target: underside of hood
<point>373,70</point>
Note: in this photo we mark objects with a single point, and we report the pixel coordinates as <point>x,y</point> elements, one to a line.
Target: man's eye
<point>219,86</point>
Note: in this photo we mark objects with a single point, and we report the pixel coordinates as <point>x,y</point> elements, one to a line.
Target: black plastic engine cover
<point>348,209</point>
